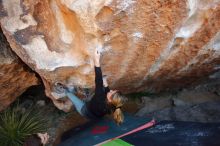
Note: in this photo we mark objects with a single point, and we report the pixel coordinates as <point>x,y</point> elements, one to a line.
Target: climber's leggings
<point>78,103</point>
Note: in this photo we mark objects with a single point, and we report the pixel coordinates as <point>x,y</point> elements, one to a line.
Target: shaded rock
<point>188,105</point>
<point>148,45</point>
<point>41,103</point>
<point>27,104</point>
<point>154,104</point>
<point>205,112</point>
<point>15,76</point>
<point>194,97</point>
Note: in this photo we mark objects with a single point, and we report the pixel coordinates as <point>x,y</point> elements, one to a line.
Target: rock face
<point>149,45</point>
<point>187,105</point>
<point>15,76</point>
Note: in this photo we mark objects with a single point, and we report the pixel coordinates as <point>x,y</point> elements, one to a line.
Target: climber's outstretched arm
<point>100,81</point>
<point>98,73</point>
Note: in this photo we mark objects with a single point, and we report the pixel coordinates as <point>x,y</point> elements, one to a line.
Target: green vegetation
<point>16,125</point>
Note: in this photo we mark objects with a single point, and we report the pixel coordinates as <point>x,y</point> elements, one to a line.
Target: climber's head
<point>117,101</point>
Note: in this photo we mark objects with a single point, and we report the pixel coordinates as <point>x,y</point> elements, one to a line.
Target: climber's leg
<point>78,103</point>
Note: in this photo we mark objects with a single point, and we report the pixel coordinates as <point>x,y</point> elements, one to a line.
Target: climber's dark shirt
<point>98,106</point>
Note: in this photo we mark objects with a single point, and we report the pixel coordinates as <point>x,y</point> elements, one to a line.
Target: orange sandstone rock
<point>149,45</point>
<point>15,76</point>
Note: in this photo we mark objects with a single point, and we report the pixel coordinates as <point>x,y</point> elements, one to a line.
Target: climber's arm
<point>98,80</point>
<point>98,73</point>
<point>105,84</point>
<point>107,90</point>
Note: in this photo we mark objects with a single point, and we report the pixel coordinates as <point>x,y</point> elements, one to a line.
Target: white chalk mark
<point>13,22</point>
<point>49,60</point>
<point>137,35</point>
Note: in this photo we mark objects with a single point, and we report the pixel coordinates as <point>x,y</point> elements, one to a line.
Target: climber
<point>105,101</point>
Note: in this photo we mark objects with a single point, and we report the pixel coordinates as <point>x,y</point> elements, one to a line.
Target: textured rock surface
<point>149,45</point>
<point>152,104</point>
<point>187,105</point>
<point>185,98</point>
<point>15,77</point>
<point>204,112</point>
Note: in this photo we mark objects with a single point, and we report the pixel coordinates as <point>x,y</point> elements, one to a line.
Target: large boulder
<point>15,76</point>
<point>149,45</point>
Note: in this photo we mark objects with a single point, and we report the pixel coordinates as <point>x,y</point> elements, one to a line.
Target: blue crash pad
<point>95,132</point>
